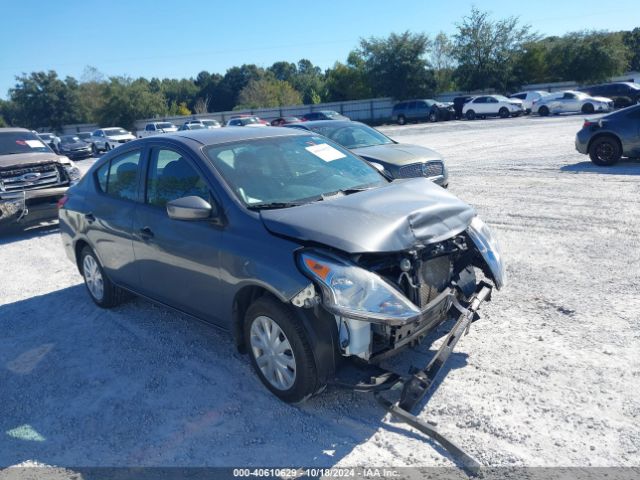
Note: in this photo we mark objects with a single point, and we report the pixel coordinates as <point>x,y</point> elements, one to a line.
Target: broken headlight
<point>488,247</point>
<point>353,292</point>
<point>72,171</point>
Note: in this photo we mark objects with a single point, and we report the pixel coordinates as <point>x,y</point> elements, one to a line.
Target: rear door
<point>178,260</point>
<point>632,140</point>
<point>110,212</point>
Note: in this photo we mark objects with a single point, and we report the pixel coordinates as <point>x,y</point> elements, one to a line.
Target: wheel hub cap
<point>93,277</point>
<point>273,353</point>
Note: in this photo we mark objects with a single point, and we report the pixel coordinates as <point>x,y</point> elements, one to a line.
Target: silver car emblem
<point>30,177</point>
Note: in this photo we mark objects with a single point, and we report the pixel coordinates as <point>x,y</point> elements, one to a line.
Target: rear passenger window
<point>119,178</point>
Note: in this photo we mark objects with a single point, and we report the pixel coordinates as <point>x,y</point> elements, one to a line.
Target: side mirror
<point>189,208</point>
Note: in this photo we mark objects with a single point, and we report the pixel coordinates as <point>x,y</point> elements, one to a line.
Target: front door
<point>178,260</point>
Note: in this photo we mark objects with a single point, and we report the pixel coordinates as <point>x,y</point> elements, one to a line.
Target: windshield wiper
<point>345,191</point>
<point>274,205</point>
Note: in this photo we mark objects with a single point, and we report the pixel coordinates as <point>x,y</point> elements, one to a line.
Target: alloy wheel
<point>273,353</point>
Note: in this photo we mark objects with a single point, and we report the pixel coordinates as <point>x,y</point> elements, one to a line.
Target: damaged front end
<point>383,302</point>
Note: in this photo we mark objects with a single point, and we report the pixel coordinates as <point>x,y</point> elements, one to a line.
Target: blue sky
<point>181,38</point>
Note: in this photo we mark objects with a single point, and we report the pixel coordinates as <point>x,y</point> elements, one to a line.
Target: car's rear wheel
<point>503,112</point>
<point>543,111</point>
<point>280,351</point>
<point>605,151</point>
<point>588,108</point>
<point>471,115</point>
<point>433,116</point>
<point>101,290</point>
<point>401,120</point>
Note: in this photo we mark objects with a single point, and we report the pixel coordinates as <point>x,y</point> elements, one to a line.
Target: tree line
<point>483,53</point>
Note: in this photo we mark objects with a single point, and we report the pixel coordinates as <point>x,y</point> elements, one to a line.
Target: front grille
<point>429,169</point>
<point>29,178</point>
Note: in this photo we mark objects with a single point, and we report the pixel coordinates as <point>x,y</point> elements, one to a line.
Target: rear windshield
<point>21,142</point>
<point>114,131</point>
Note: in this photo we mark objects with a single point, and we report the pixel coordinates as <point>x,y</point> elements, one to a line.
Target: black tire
<point>107,147</point>
<point>471,115</point>
<point>433,116</point>
<point>306,381</point>
<point>504,112</point>
<point>112,295</point>
<point>94,149</point>
<point>588,108</point>
<point>605,151</point>
<point>543,111</point>
<point>401,120</point>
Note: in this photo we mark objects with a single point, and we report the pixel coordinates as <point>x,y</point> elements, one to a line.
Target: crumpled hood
<point>396,217</point>
<point>123,136</point>
<point>19,160</point>
<point>398,154</point>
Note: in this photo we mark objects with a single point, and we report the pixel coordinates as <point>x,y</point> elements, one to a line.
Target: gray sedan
<point>396,160</point>
<point>302,250</point>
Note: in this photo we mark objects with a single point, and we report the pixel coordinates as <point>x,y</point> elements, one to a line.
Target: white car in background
<point>156,128</point>
<point>571,101</point>
<point>529,98</point>
<point>492,105</point>
<point>106,139</point>
<point>205,122</point>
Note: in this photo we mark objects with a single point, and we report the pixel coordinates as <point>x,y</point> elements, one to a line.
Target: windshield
<point>21,142</point>
<point>70,139</point>
<point>210,122</point>
<point>290,170</point>
<point>109,132</point>
<point>165,125</point>
<point>84,135</point>
<point>353,135</point>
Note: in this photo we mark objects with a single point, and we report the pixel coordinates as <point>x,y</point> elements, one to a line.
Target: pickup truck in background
<point>156,128</point>
<point>33,178</point>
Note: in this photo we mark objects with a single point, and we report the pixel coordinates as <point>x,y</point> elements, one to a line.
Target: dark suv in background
<point>623,94</point>
<point>421,110</point>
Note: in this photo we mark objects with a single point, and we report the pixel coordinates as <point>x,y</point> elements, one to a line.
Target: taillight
<point>590,124</point>
<point>62,201</point>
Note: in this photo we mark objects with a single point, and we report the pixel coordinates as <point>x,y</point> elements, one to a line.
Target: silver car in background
<point>571,101</point>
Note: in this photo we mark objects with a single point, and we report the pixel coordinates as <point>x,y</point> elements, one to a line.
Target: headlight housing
<point>73,172</point>
<point>353,292</point>
<point>488,247</point>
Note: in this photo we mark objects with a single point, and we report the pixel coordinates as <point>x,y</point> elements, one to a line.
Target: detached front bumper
<point>30,205</point>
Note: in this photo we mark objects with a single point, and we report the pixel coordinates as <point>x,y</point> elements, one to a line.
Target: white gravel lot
<point>549,377</point>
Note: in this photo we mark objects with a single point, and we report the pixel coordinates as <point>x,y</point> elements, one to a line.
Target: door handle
<point>146,233</point>
<point>89,217</point>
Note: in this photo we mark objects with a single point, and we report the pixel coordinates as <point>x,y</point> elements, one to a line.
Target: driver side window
<point>170,177</point>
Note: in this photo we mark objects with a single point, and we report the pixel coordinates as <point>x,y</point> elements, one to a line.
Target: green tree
<point>487,50</point>
<point>632,42</point>
<point>397,66</point>
<point>348,81</point>
<point>127,101</point>
<point>443,63</point>
<point>268,92</point>
<point>41,99</point>
<point>225,95</point>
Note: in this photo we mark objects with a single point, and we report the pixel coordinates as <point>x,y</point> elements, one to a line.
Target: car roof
<point>231,134</point>
<point>13,130</point>
<point>325,123</point>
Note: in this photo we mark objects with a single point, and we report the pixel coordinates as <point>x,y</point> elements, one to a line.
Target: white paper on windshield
<point>326,152</point>
<point>34,143</point>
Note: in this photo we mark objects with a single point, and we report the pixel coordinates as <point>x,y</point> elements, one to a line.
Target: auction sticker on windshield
<point>34,143</point>
<point>326,152</point>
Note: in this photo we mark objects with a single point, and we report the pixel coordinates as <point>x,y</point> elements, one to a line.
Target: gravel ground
<point>549,377</point>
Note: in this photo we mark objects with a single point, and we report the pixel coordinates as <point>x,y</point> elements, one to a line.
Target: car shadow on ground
<point>141,385</point>
<point>625,167</point>
<point>17,233</point>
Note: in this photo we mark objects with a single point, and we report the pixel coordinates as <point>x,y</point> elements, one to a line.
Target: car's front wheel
<point>433,116</point>
<point>605,151</point>
<point>588,108</point>
<point>543,111</point>
<point>280,351</point>
<point>504,112</point>
<point>101,290</point>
